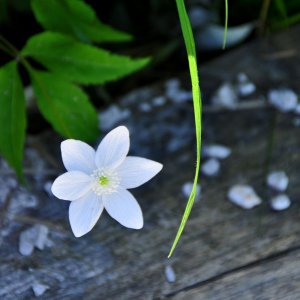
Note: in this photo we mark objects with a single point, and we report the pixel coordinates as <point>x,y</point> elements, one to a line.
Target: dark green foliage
<point>65,106</point>
<point>77,19</point>
<point>68,54</point>
<point>12,116</point>
<point>79,62</point>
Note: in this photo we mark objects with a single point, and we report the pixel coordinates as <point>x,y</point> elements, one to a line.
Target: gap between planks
<point>267,259</point>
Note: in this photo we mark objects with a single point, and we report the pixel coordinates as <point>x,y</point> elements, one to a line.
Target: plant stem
<point>9,45</point>
<point>264,14</point>
<point>12,50</point>
<point>6,50</point>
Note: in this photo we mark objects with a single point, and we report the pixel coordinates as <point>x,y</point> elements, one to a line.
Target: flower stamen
<point>103,180</point>
<point>106,181</point>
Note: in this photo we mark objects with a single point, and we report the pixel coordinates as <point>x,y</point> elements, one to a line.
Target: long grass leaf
<point>226,24</point>
<point>191,52</point>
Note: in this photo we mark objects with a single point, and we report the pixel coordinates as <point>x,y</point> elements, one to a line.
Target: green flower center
<point>103,180</point>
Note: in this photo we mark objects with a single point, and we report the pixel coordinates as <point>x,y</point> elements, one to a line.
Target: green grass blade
<point>191,52</point>
<point>281,8</point>
<point>226,24</point>
<point>287,22</point>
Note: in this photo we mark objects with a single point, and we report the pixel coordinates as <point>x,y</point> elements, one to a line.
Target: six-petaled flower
<point>98,180</point>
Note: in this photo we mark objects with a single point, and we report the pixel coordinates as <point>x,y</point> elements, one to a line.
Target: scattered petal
<point>159,101</point>
<point>199,16</point>
<point>145,107</point>
<point>242,78</point>
<point>111,116</point>
<point>123,207</point>
<point>39,289</point>
<point>280,202</point>
<point>212,36</point>
<point>243,196</point>
<point>175,93</point>
<point>211,167</point>
<point>171,85</point>
<point>246,89</point>
<point>78,156</point>
<point>71,185</point>
<point>187,189</point>
<point>47,188</point>
<point>278,180</point>
<point>84,213</point>
<point>135,171</point>
<point>35,236</point>
<point>225,96</point>
<point>113,148</point>
<point>170,274</point>
<point>181,96</point>
<point>284,100</point>
<point>216,151</point>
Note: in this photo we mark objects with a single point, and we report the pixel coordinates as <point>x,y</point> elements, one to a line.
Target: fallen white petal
<point>124,208</point>
<point>216,151</point>
<point>135,171</point>
<point>113,148</point>
<point>242,78</point>
<point>187,189</point>
<point>159,101</point>
<point>278,180</point>
<point>78,156</point>
<point>145,107</point>
<point>111,116</point>
<point>225,96</point>
<point>284,100</point>
<point>243,196</point>
<point>39,289</point>
<point>71,185</point>
<point>247,88</point>
<point>35,236</point>
<point>170,274</point>
<point>280,202</point>
<point>84,213</point>
<point>211,167</point>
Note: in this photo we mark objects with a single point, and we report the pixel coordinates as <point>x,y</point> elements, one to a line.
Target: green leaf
<point>191,52</point>
<point>79,62</point>
<point>226,24</point>
<point>12,116</point>
<point>75,18</point>
<point>65,106</point>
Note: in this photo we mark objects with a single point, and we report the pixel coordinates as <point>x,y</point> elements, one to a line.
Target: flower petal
<point>123,207</point>
<point>113,148</point>
<point>135,171</point>
<point>71,185</point>
<point>78,156</point>
<point>84,213</point>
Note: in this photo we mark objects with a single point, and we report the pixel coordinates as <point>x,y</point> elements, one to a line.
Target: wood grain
<point>225,252</point>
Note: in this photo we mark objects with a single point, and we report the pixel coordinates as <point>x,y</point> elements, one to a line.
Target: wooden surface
<point>225,252</point>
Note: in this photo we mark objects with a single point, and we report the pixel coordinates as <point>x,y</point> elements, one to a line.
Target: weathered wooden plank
<point>275,278</point>
<point>115,263</point>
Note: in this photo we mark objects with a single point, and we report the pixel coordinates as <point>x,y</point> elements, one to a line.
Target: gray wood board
<point>225,252</point>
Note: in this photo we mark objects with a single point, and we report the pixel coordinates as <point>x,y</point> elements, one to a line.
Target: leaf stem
<point>9,46</point>
<point>6,50</point>
<point>12,50</point>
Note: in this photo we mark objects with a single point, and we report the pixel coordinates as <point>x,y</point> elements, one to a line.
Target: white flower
<point>99,179</point>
